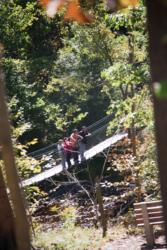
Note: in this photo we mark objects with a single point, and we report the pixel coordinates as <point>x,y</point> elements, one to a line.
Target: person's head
<point>84,128</point>
<point>60,141</point>
<point>75,130</point>
<point>65,139</point>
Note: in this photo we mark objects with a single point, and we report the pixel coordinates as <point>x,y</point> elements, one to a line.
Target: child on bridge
<point>67,148</point>
<point>61,153</point>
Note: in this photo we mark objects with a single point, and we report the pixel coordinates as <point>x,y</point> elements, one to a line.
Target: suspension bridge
<point>98,142</point>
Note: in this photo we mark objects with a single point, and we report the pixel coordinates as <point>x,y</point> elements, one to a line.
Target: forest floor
<point>66,219</point>
<point>58,229</point>
<point>71,237</point>
<point>134,242</point>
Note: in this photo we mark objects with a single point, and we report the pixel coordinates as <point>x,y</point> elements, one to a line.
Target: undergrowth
<point>68,236</point>
<point>77,238</point>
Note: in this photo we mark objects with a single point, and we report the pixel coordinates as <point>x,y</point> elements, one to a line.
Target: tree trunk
<point>21,224</point>
<point>7,232</point>
<point>101,207</point>
<point>133,125</point>
<point>157,27</point>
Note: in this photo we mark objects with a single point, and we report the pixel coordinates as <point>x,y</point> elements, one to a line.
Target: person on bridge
<point>61,152</point>
<point>82,142</point>
<point>74,138</point>
<point>67,145</point>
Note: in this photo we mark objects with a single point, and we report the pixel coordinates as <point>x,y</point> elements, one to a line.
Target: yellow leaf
<point>120,4</point>
<point>126,3</point>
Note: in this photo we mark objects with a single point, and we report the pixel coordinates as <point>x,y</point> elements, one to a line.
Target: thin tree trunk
<point>157,27</point>
<point>21,224</point>
<point>133,127</point>
<point>101,207</point>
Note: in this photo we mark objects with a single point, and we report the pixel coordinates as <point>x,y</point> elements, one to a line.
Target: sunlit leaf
<point>120,4</point>
<point>37,169</point>
<point>126,3</point>
<point>75,13</point>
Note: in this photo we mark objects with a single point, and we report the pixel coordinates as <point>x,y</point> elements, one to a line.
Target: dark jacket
<point>84,135</point>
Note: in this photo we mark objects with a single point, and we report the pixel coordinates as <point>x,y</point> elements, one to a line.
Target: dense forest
<point>61,75</point>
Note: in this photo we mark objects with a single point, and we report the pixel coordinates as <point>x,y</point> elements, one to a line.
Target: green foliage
<point>33,194</point>
<point>126,83</point>
<point>60,75</point>
<point>26,31</point>
<point>31,42</point>
<point>54,90</point>
<point>125,86</point>
<point>14,22</point>
<point>147,162</point>
<point>26,165</point>
<point>126,80</point>
<point>68,215</point>
<point>79,66</point>
<point>127,20</point>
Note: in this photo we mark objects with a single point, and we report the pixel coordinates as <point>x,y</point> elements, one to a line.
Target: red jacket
<point>67,146</point>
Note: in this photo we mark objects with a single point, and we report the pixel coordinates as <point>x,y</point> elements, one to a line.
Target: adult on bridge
<point>82,142</point>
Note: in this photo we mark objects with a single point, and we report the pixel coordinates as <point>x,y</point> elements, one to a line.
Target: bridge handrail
<point>53,147</point>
